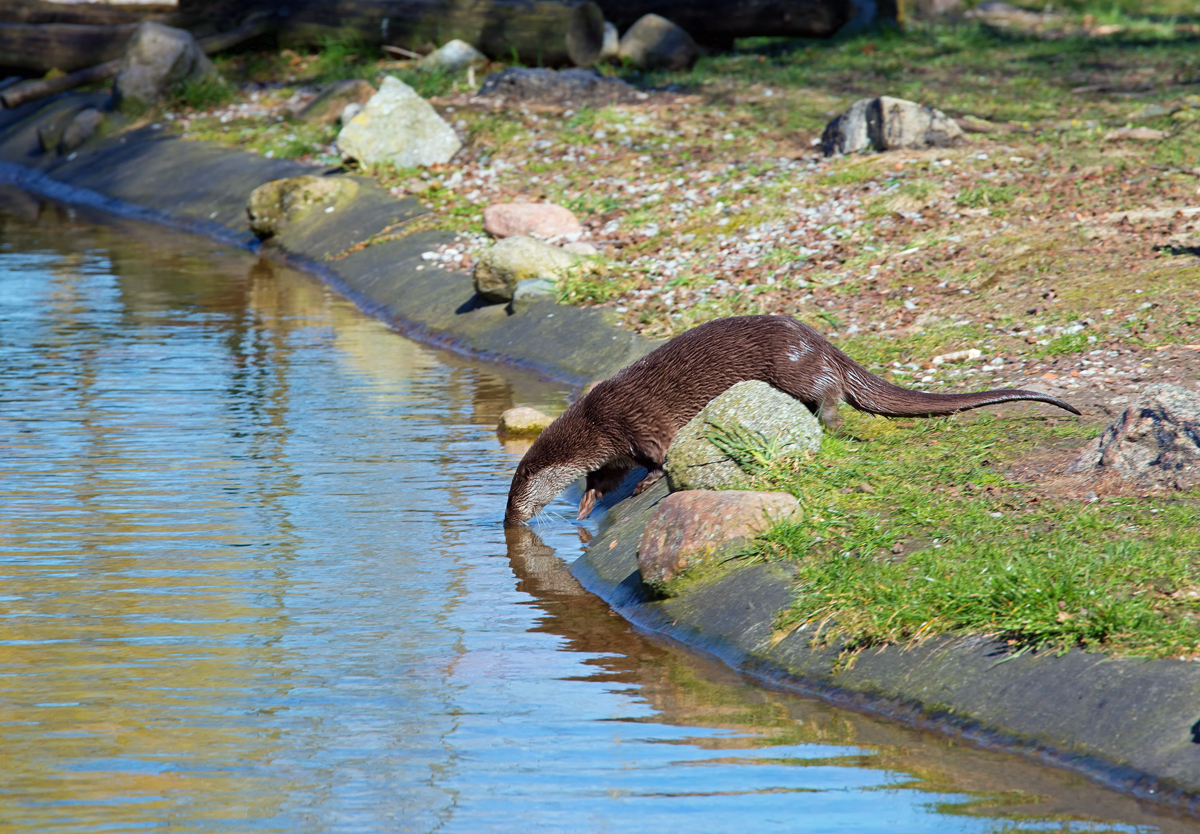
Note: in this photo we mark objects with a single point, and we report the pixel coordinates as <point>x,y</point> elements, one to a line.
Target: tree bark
<point>38,48</point>
<point>535,30</point>
<point>718,21</point>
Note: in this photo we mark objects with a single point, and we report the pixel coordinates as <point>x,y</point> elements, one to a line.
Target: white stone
<point>399,127</point>
<point>451,57</point>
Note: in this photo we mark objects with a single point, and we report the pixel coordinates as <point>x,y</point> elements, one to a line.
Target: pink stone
<point>690,527</point>
<point>541,219</point>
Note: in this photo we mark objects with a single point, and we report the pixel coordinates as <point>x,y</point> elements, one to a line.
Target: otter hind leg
<point>587,503</point>
<point>601,482</point>
<point>645,483</point>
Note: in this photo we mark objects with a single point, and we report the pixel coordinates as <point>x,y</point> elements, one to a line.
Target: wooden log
<point>89,14</point>
<point>42,87</point>
<point>720,21</point>
<point>39,48</point>
<point>534,30</point>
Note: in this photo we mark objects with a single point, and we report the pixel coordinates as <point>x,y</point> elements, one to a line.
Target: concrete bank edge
<point>1131,725</point>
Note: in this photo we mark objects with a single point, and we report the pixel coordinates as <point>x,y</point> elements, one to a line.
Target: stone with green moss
<point>275,204</point>
<point>738,435</point>
<point>520,258</point>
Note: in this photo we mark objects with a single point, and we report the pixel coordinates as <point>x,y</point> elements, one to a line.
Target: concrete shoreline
<point>1131,725</point>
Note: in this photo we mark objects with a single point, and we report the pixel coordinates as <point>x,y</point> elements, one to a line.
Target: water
<point>253,578</point>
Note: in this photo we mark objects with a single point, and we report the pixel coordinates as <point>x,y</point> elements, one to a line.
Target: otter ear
<point>587,502</point>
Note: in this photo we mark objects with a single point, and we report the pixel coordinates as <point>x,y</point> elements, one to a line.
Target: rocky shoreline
<point>1129,724</point>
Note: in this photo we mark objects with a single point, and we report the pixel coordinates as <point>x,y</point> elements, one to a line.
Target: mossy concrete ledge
<point>1129,724</point>
<point>359,246</point>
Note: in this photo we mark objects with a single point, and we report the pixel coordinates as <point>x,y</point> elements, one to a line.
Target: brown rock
<point>541,219</point>
<point>327,107</point>
<point>690,528</point>
<point>523,420</point>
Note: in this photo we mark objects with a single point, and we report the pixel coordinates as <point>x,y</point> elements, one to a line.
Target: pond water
<point>253,578</point>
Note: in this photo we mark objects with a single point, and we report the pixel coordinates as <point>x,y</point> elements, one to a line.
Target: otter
<point>629,420</point>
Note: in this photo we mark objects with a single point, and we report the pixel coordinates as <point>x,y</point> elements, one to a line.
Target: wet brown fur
<point>630,420</point>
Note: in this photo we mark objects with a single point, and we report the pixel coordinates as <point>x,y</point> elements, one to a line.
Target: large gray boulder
<point>887,124</point>
<point>654,42</point>
<point>157,59</point>
<point>1155,442</point>
<point>521,258</point>
<point>399,127</point>
<point>755,415</point>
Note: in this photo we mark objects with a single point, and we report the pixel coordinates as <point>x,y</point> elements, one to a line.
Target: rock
<point>1155,442</point>
<point>1153,111</point>
<point>523,420</point>
<point>157,59</point>
<point>612,42</point>
<point>531,291</point>
<point>581,247</point>
<point>974,124</point>
<point>957,356</point>
<point>654,42</point>
<point>541,219</point>
<point>516,259</point>
<point>774,420</point>
<point>81,128</point>
<point>398,127</point>
<point>349,112</point>
<point>578,86</point>
<point>334,99</point>
<point>1137,134</point>
<point>886,124</point>
<point>273,205</point>
<point>451,57</point>
<point>692,528</point>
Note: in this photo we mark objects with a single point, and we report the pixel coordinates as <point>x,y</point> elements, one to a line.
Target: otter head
<point>563,453</point>
<point>534,486</point>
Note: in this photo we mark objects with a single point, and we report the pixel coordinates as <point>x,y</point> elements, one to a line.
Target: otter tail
<point>867,392</point>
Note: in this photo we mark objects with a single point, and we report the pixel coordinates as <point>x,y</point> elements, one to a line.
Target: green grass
<point>914,530</point>
<point>985,196</point>
<point>201,93</point>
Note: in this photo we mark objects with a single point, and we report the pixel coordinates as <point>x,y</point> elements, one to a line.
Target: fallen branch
<point>18,94</point>
<point>402,52</point>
